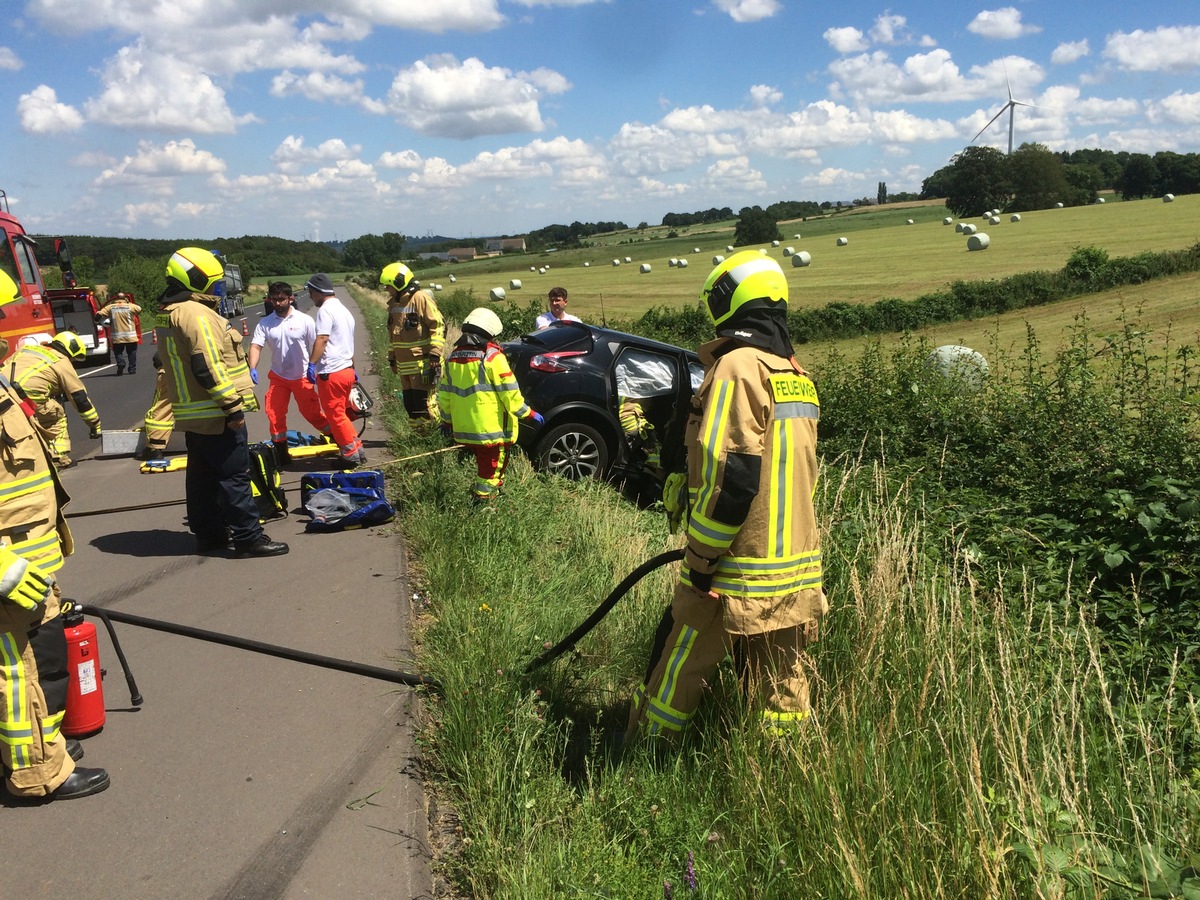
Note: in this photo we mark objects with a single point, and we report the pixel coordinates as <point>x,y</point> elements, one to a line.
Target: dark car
<point>578,376</point>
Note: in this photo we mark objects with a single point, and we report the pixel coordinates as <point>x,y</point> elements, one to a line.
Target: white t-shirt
<point>546,319</point>
<point>290,340</point>
<point>336,321</point>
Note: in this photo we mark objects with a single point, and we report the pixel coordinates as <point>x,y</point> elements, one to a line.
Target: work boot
<point>264,546</point>
<point>63,462</point>
<point>349,462</point>
<point>283,455</point>
<point>74,749</point>
<point>120,370</point>
<point>81,783</point>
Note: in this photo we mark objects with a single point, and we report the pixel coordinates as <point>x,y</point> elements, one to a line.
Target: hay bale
<point>1099,199</point>
<point>964,365</point>
<point>802,258</point>
<point>533,268</point>
<point>1015,217</point>
<point>514,284</point>
<point>796,236</point>
<point>729,249</point>
<point>718,259</point>
<point>542,271</point>
<point>437,287</point>
<point>629,259</point>
<point>586,264</point>
<point>496,294</point>
<point>958,228</point>
<point>644,268</point>
<point>616,262</point>
<point>774,243</point>
<point>1058,205</point>
<point>695,249</point>
<point>1168,198</point>
<point>994,220</point>
<point>949,220</point>
<point>978,241</point>
<point>969,229</point>
<point>842,242</point>
<point>682,264</point>
<point>672,262</point>
<point>788,251</point>
<point>453,279</point>
<point>908,222</point>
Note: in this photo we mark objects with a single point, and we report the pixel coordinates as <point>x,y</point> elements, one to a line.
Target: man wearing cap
<point>331,367</point>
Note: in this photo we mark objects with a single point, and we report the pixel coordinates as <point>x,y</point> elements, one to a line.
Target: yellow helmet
<point>744,278</point>
<point>70,344</point>
<point>398,275</point>
<point>197,270</point>
<point>485,320</point>
<point>9,292</point>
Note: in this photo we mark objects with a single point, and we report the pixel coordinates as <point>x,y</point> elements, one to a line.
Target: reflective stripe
<point>780,723</point>
<point>797,410</point>
<point>28,485</point>
<point>45,552</point>
<point>477,388</point>
<point>15,730</point>
<point>782,494</point>
<point>659,711</point>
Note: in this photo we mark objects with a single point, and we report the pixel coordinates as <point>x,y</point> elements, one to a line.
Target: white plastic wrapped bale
<point>514,284</point>
<point>949,220</point>
<point>496,294</point>
<point>586,264</point>
<point>672,262</point>
<point>629,259</point>
<point>682,264</point>
<point>978,241</point>
<point>958,228</point>
<point>908,222</point>
<point>437,287</point>
<point>718,259</point>
<point>1015,217</point>
<point>695,249</point>
<point>1099,199</point>
<point>774,243</point>
<point>729,249</point>
<point>962,363</point>
<point>644,268</point>
<point>616,262</point>
<point>842,242</point>
<point>969,229</point>
<point>994,220</point>
<point>788,251</point>
<point>453,279</point>
<point>1168,198</point>
<point>541,271</point>
<point>796,237</point>
<point>801,258</point>
<point>1058,205</point>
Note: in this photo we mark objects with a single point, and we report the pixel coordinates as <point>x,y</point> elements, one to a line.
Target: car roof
<point>563,332</point>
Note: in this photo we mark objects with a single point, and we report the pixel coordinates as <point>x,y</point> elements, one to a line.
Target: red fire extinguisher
<point>85,690</point>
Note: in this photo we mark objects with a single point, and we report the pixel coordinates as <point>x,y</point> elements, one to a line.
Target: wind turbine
<point>1010,106</point>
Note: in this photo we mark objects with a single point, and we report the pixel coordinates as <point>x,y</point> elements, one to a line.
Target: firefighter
<point>45,372</point>
<point>160,420</point>
<point>750,581</point>
<point>480,401</point>
<point>208,385</point>
<point>34,540</point>
<point>126,330</point>
<point>417,334</point>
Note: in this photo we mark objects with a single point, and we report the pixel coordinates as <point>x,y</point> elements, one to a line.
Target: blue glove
<point>254,375</point>
<point>310,374</point>
<point>536,418</point>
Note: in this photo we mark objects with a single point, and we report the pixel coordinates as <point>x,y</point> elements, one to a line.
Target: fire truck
<point>41,313</point>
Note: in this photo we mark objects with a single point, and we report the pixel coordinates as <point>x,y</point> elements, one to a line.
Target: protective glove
<point>435,371</point>
<point>96,431</point>
<point>310,374</point>
<point>392,365</point>
<point>701,570</point>
<point>536,418</point>
<point>447,429</point>
<point>675,499</point>
<point>254,376</point>
<point>25,584</point>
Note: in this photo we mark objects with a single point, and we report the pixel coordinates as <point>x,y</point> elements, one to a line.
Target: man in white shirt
<point>331,367</point>
<point>558,310</point>
<point>290,334</point>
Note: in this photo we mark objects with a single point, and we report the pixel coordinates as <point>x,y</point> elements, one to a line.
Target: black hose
<point>229,640</point>
<point>602,610</point>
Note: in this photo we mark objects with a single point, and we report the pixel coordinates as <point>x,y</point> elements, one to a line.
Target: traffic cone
<point>245,330</point>
<point>154,336</point>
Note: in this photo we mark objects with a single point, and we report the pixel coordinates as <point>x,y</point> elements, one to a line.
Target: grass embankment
<point>967,741</point>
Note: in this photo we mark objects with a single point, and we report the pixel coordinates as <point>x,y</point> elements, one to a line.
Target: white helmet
<point>485,320</point>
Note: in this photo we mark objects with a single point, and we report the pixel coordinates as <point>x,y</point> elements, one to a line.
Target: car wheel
<point>574,451</point>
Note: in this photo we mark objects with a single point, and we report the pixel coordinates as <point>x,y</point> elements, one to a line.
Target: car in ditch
<point>584,380</point>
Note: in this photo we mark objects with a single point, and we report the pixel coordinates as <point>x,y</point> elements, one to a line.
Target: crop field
<point>885,257</point>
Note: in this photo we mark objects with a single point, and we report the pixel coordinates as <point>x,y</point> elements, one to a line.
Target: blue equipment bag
<point>339,501</point>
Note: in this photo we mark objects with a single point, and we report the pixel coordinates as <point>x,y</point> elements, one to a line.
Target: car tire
<point>574,450</point>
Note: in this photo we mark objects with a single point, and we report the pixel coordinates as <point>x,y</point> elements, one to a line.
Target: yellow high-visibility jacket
<point>43,373</point>
<point>31,501</point>
<point>479,397</point>
<point>416,333</point>
<point>752,472</point>
<point>208,377</point>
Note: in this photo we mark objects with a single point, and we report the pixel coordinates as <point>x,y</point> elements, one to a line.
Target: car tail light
<point>550,362</point>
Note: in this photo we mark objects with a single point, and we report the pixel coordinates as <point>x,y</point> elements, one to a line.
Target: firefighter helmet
<point>747,280</point>
<point>196,269</point>
<point>485,320</point>
<point>399,276</point>
<point>9,292</point>
<point>70,344</point>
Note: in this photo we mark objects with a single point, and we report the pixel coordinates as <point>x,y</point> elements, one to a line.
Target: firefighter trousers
<point>420,396</point>
<point>53,421</point>
<point>160,422</point>
<point>33,698</point>
<point>691,642</point>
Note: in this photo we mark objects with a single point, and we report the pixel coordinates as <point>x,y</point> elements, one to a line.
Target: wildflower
<point>690,879</point>
<point>667,890</point>
<point>483,607</point>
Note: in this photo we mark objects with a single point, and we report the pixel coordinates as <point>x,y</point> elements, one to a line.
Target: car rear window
<point>560,337</point>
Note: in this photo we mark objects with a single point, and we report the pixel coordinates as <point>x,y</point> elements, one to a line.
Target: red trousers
<point>490,461</point>
<point>279,395</point>
<point>334,391</point>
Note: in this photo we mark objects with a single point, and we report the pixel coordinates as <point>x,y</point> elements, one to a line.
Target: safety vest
<point>416,332</point>
<point>43,372</point>
<point>752,472</point>
<point>207,374</point>
<point>479,397</point>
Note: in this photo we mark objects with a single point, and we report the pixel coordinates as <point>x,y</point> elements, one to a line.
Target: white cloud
<point>762,95</point>
<point>892,30</point>
<point>405,159</point>
<point>40,112</point>
<point>145,90</point>
<point>9,60</point>
<point>317,86</point>
<point>1174,49</point>
<point>1002,24</point>
<point>748,10</point>
<point>1067,53</point>
<point>443,97</point>
<point>292,154</point>
<point>735,176</point>
<point>153,162</point>
<point>846,40</point>
<point>1179,108</point>
<point>829,177</point>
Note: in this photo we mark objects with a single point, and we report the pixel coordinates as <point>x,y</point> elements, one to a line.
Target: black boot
<point>283,455</point>
<point>81,783</point>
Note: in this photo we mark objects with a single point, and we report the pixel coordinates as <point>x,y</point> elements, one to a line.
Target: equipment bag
<point>338,501</point>
<point>266,482</point>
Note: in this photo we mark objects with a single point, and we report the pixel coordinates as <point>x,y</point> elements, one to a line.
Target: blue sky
<point>331,119</point>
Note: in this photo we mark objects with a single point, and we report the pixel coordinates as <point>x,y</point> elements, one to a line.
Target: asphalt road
<point>241,775</point>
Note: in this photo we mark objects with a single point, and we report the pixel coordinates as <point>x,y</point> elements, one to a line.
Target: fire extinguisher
<point>85,689</point>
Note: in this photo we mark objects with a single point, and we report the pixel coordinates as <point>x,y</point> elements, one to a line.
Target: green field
<point>885,257</point>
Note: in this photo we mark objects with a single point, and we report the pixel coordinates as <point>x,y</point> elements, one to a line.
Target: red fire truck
<point>41,313</point>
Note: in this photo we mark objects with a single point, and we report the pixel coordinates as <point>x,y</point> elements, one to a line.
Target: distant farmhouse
<point>505,245</point>
<point>494,247</point>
